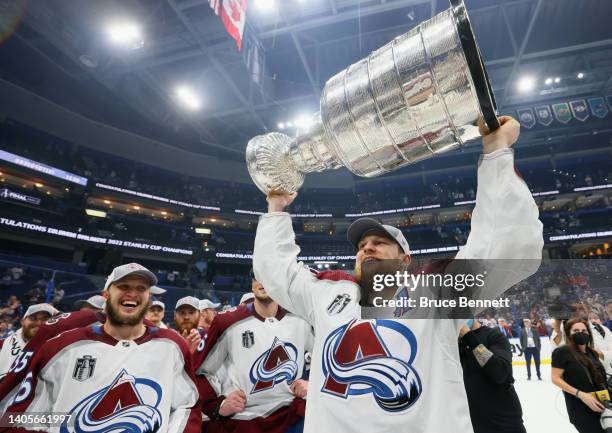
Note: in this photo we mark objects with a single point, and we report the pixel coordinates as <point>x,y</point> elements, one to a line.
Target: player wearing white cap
<point>34,317</point>
<point>208,311</point>
<point>381,375</point>
<point>61,323</point>
<point>186,319</point>
<point>155,314</point>
<point>123,375</point>
<point>262,349</point>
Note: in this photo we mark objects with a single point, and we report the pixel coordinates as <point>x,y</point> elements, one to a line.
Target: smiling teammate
<point>121,374</point>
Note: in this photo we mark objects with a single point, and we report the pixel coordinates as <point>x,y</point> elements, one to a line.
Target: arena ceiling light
<point>280,125</point>
<point>526,84</point>
<point>125,34</point>
<point>557,80</point>
<point>265,5</point>
<point>548,81</point>
<point>95,213</point>
<point>188,98</point>
<point>202,231</point>
<point>580,75</point>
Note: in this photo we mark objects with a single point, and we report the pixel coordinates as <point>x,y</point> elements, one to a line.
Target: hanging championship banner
<point>580,109</point>
<point>526,117</point>
<point>562,112</point>
<point>598,107</point>
<point>544,115</point>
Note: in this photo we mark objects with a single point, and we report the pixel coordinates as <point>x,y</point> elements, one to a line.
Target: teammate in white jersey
<point>34,317</point>
<point>262,348</point>
<point>384,375</point>
<point>122,375</point>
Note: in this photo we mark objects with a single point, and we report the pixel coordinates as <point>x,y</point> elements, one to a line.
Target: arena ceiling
<point>59,49</point>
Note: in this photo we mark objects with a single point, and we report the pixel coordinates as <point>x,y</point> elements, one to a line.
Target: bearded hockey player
<point>62,323</point>
<point>389,375</point>
<point>35,316</point>
<point>122,375</point>
<point>262,348</point>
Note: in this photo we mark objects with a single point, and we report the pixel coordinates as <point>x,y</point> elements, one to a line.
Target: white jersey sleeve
<point>506,233</point>
<point>288,282</point>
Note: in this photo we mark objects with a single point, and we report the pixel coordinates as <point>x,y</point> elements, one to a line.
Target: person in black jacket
<point>486,359</point>
<point>577,370</point>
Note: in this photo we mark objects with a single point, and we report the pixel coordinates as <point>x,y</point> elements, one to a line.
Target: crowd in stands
<point>443,189</point>
<point>553,293</point>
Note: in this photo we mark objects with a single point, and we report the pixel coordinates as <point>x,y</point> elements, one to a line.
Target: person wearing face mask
<point>577,370</point>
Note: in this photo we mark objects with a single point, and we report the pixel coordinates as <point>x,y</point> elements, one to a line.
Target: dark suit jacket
<point>534,335</point>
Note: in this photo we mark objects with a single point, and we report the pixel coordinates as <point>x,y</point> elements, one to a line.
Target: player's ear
<point>406,259</point>
<point>105,294</point>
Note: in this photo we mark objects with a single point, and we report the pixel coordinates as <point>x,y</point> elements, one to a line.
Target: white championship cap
<point>247,297</point>
<point>96,301</point>
<point>130,269</point>
<point>156,290</point>
<point>359,228</point>
<point>188,300</point>
<point>207,303</point>
<point>159,304</point>
<point>37,308</point>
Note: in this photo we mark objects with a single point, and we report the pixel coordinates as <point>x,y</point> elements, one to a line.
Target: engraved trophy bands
<point>421,94</point>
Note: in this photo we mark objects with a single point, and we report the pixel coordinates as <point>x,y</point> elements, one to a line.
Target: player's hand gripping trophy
<point>422,94</point>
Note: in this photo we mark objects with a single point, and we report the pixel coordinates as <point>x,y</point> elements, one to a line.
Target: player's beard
<point>186,326</point>
<point>366,272</point>
<point>117,319</point>
<point>263,298</point>
<point>29,333</point>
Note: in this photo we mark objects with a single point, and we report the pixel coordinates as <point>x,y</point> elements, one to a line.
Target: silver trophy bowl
<point>422,94</point>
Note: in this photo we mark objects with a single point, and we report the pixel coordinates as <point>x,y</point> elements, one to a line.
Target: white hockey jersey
<point>11,348</point>
<point>261,356</point>
<point>382,375</point>
<point>144,386</point>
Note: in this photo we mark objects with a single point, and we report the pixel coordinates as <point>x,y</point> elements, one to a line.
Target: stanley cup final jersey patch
<point>338,304</point>
<point>84,368</point>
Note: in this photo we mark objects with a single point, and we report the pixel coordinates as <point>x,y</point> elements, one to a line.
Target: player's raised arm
<point>275,263</point>
<point>505,224</point>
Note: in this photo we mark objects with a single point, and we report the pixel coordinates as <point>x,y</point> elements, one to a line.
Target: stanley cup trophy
<point>420,95</point>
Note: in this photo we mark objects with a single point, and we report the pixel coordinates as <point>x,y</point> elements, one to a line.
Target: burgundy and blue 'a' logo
<point>128,404</point>
<point>275,365</point>
<point>372,357</point>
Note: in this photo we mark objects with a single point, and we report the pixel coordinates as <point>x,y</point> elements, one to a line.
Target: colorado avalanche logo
<point>357,361</point>
<point>119,408</point>
<point>277,364</point>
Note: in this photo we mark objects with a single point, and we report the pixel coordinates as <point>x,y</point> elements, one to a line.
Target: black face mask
<point>580,338</point>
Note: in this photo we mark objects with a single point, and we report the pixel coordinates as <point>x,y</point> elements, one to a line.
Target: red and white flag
<point>233,15</point>
<point>215,5</point>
